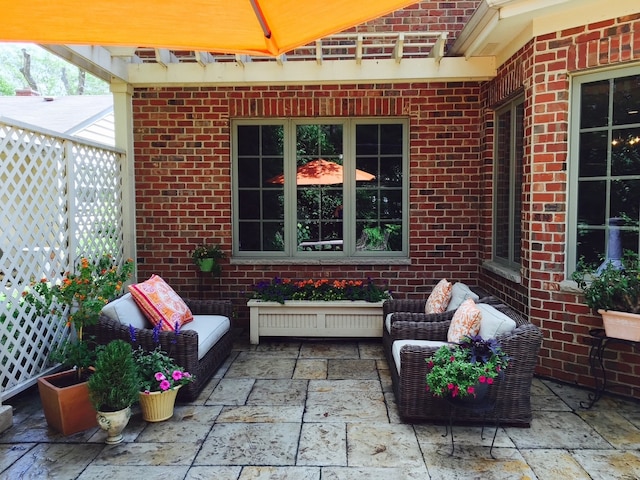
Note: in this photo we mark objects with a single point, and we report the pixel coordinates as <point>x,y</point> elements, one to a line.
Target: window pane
<point>595,104</point>
<point>592,202</point>
<point>590,244</point>
<point>625,152</point>
<point>502,185</point>
<point>626,100</point>
<point>260,194</point>
<point>593,154</point>
<point>625,200</point>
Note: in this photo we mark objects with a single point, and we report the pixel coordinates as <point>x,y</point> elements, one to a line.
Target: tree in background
<point>28,65</point>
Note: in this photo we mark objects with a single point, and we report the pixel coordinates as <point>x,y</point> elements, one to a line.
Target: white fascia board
<point>96,60</point>
<point>307,73</point>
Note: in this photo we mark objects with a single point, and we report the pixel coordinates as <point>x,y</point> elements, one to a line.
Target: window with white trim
<point>509,130</point>
<point>320,188</point>
<point>605,164</point>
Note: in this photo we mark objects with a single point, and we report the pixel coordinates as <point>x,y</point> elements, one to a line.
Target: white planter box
<point>307,318</point>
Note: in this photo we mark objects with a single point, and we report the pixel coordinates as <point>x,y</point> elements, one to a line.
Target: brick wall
<point>183,182</point>
<point>541,70</point>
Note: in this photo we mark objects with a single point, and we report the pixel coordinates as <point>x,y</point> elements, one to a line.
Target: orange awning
<point>262,27</point>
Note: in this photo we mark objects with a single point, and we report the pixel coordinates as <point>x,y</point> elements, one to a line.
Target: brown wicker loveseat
<point>184,347</point>
<point>512,392</point>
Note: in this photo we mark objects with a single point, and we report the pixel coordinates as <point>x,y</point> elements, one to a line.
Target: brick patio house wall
<point>542,70</point>
<point>183,184</point>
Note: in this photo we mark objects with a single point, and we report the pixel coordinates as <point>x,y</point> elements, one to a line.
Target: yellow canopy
<point>257,27</point>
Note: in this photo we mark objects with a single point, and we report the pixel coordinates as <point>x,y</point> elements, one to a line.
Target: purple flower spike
<point>132,333</point>
<point>156,334</point>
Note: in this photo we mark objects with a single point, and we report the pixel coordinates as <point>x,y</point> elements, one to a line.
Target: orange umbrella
<point>262,27</point>
<point>321,172</point>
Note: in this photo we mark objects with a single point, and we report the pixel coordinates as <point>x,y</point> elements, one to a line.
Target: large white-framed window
<point>507,201</point>
<point>604,164</point>
<point>331,187</point>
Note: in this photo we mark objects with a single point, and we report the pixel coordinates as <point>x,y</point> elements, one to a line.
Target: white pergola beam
<point>94,59</point>
<point>329,72</point>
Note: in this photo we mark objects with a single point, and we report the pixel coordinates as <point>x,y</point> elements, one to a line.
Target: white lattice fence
<point>61,199</point>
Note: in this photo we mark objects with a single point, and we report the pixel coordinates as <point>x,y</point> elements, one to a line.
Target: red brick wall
<point>543,68</point>
<point>183,182</point>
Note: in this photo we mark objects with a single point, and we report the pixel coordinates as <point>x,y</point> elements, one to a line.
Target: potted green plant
<point>613,289</point>
<point>114,387</point>
<point>76,300</point>
<point>207,256</point>
<point>466,369</point>
<point>160,380</point>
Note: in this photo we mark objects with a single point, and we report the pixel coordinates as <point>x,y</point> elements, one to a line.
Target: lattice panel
<point>61,199</point>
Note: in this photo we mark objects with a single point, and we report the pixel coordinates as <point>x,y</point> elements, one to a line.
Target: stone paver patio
<point>311,410</point>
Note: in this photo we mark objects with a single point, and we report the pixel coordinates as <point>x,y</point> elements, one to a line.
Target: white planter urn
<point>113,423</point>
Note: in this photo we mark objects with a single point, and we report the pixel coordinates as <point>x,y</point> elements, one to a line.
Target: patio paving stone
<point>278,392</point>
<point>323,444</point>
<point>311,369</point>
<point>280,411</point>
<point>250,444</point>
<point>231,391</point>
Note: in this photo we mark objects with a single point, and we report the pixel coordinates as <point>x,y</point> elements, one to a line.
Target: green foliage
<point>612,288</point>
<point>115,383</point>
<point>456,370</point>
<point>208,250</point>
<point>77,300</point>
<point>46,69</point>
<point>281,289</point>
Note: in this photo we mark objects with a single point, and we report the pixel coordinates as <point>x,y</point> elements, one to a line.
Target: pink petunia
<point>471,390</point>
<point>482,379</point>
<point>489,380</point>
<point>165,385</point>
<point>160,376</point>
<point>176,375</point>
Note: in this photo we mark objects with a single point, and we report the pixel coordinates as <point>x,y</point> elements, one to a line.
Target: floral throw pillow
<point>439,298</point>
<point>160,303</point>
<point>465,322</point>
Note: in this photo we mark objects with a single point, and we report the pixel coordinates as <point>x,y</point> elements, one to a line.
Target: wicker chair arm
<point>403,305</point>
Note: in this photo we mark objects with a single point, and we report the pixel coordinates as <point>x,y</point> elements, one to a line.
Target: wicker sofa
<point>512,392</point>
<point>200,348</point>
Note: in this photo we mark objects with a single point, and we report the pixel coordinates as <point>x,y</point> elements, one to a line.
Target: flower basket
<point>623,325</point>
<point>158,406</point>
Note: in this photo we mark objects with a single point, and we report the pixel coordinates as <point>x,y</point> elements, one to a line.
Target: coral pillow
<point>465,322</point>
<point>439,298</point>
<point>160,303</point>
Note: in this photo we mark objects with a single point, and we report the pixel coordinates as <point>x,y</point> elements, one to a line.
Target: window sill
<point>503,271</point>
<point>322,261</point>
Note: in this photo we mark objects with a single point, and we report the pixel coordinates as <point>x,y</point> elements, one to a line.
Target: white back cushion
<point>493,321</point>
<point>126,311</point>
<point>459,293</point>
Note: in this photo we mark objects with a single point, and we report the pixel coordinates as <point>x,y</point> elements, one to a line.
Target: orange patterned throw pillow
<point>160,303</point>
<point>439,298</point>
<point>465,322</point>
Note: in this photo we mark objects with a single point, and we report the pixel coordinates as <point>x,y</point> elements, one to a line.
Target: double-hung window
<point>605,164</point>
<point>320,188</point>
<point>509,129</point>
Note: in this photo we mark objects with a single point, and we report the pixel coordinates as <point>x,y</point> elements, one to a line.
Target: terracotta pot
<point>113,423</point>
<point>622,325</point>
<point>65,402</point>
<point>158,406</point>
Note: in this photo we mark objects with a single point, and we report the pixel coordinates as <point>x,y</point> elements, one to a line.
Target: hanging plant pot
<point>206,264</point>
<point>158,406</point>
<point>622,325</point>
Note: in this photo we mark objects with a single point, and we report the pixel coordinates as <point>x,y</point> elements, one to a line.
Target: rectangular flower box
<point>308,318</point>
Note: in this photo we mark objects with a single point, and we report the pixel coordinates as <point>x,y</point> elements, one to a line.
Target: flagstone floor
<point>314,410</point>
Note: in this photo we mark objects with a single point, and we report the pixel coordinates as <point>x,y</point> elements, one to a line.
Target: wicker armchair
<point>512,392</point>
<point>404,310</point>
<point>183,348</point>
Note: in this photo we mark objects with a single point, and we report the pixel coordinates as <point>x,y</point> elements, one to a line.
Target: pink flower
<point>165,385</point>
<point>471,390</point>
<point>147,392</point>
<point>482,379</point>
<point>430,364</point>
<point>452,359</point>
<point>160,376</point>
<point>186,375</point>
<point>489,380</point>
<point>176,375</point>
